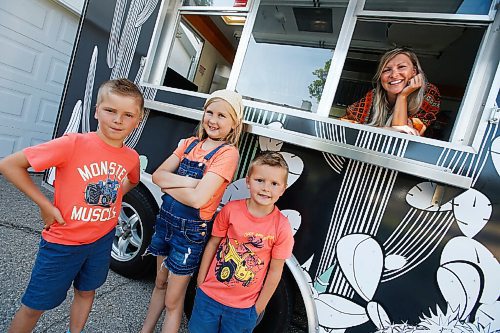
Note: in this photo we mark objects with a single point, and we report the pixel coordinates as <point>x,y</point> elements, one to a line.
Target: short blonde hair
<point>235,111</point>
<point>269,158</point>
<point>123,87</point>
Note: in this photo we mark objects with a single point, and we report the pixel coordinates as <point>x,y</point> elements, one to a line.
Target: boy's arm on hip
<point>270,284</point>
<point>15,169</point>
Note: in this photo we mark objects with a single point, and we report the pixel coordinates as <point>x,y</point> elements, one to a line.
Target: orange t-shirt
<point>223,163</point>
<point>238,270</point>
<point>87,188</point>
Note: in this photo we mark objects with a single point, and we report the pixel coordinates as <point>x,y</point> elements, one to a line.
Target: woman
<point>402,100</point>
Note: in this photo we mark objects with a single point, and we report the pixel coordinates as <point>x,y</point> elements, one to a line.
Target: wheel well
<point>144,189</point>
<point>304,309</point>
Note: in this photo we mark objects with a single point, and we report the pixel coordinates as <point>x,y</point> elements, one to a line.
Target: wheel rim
<point>128,234</point>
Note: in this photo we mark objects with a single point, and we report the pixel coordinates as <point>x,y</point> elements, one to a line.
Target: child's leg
<point>238,320</point>
<point>80,309</point>
<point>92,275</point>
<point>174,302</point>
<point>25,320</point>
<point>157,302</point>
<point>206,314</point>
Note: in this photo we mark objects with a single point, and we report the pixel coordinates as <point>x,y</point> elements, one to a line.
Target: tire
<point>225,271</point>
<point>279,310</point>
<point>92,194</point>
<point>105,200</point>
<point>134,230</point>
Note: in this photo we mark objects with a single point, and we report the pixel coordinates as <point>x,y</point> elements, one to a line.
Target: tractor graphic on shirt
<point>239,263</point>
<point>103,193</point>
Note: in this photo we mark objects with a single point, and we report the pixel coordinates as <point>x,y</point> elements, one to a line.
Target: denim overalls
<point>180,233</point>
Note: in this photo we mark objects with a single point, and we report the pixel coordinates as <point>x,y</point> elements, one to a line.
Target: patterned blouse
<point>360,111</point>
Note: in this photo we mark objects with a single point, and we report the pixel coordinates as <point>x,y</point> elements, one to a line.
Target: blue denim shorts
<point>211,316</point>
<point>180,236</point>
<point>58,266</point>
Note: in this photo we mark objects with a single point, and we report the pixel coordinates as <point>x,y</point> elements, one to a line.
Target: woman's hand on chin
<point>415,83</point>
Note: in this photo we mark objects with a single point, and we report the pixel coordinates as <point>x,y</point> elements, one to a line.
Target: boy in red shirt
<point>243,260</point>
<point>93,172</point>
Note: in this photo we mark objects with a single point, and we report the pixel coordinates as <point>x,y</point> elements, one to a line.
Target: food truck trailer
<point>393,232</point>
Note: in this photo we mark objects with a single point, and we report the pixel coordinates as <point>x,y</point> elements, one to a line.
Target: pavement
<point>120,304</point>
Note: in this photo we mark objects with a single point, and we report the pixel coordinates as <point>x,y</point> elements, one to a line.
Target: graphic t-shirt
<point>237,273</point>
<point>88,184</point>
<point>223,163</point>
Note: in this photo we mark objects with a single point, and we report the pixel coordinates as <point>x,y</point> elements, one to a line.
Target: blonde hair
<point>381,108</point>
<point>234,135</point>
<point>269,158</point>
<point>123,87</point>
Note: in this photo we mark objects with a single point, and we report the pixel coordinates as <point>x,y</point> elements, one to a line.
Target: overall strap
<point>212,153</point>
<point>191,146</point>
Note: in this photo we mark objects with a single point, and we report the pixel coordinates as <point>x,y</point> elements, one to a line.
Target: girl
<point>402,100</point>
<point>193,179</point>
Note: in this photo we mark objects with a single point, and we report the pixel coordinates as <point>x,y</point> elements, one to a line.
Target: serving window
<point>446,54</point>
<point>288,48</point>
<point>194,45</point>
<point>308,61</point>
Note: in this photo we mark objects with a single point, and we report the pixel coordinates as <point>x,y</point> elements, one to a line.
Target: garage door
<point>36,40</point>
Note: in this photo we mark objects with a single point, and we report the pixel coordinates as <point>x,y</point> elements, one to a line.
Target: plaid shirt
<point>360,111</point>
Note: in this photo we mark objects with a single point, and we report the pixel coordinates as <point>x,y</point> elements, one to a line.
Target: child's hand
<point>49,215</point>
<point>259,308</point>
<point>199,281</point>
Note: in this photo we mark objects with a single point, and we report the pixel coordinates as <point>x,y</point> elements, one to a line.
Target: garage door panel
<point>37,38</point>
<point>56,74</point>
<point>27,109</point>
<point>45,22</point>
<point>13,103</point>
<point>12,140</point>
<point>32,63</point>
<point>17,57</point>
<point>17,10</point>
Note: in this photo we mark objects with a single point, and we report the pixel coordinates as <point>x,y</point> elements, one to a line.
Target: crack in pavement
<point>29,230</point>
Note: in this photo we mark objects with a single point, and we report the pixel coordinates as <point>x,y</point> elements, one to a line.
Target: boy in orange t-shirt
<point>243,260</point>
<point>93,172</point>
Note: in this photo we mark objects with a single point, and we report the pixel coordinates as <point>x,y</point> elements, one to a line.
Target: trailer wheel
<point>279,310</point>
<point>133,235</point>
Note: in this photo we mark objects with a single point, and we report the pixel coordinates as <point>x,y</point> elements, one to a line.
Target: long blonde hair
<point>381,109</point>
<point>234,135</point>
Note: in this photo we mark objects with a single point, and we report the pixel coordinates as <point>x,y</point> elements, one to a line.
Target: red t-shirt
<point>223,163</point>
<point>238,270</point>
<point>87,188</point>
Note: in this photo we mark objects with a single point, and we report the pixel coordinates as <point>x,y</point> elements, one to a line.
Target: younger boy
<point>250,238</point>
<point>93,171</point>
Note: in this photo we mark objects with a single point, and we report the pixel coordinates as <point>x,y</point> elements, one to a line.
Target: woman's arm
<point>165,176</point>
<point>199,195</point>
<point>400,114</point>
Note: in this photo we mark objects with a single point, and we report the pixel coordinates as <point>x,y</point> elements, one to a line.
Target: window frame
<point>176,10</point>
<point>467,133</point>
<point>470,136</point>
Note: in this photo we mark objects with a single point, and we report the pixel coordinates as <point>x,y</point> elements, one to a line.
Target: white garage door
<point>36,40</point>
